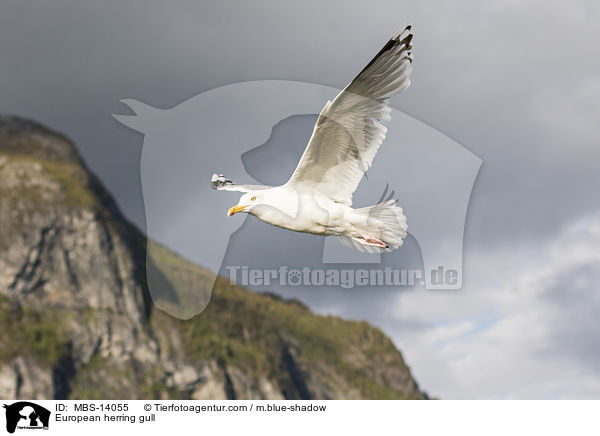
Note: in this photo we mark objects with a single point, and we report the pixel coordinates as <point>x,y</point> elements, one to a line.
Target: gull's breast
<point>303,212</point>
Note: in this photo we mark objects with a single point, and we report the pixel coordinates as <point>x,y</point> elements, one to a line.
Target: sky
<point>515,82</point>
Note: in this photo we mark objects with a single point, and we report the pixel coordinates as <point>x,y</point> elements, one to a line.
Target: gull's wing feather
<point>349,130</point>
<point>221,183</point>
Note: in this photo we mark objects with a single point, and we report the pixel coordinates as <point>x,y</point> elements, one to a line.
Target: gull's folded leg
<point>372,241</point>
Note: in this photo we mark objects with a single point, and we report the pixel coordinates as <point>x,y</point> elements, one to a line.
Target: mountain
<point>78,322</point>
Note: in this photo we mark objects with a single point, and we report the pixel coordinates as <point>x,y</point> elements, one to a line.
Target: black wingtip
<point>407,40</point>
<point>401,32</point>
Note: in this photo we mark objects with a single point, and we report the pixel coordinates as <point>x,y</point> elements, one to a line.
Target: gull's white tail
<point>380,228</point>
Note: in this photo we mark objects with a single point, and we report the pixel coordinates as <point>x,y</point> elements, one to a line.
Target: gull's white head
<point>246,203</point>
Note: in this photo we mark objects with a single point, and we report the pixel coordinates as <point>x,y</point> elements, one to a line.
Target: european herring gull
<point>317,198</point>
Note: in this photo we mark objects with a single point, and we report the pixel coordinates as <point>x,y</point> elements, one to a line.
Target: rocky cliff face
<point>77,320</point>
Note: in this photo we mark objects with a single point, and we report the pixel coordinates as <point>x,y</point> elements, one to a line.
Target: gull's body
<point>311,212</point>
<point>317,198</point>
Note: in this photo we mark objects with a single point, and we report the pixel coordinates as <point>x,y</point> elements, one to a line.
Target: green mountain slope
<point>78,321</point>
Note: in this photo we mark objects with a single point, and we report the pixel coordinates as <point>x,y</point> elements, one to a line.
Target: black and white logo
<point>26,415</point>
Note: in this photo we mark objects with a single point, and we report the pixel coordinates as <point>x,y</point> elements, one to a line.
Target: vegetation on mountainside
<point>265,336</point>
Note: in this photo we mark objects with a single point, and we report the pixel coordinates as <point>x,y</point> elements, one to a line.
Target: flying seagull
<point>317,198</point>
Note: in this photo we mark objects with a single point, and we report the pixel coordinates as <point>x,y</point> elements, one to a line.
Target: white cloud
<point>530,329</point>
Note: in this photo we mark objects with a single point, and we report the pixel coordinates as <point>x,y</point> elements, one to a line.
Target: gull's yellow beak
<point>235,209</point>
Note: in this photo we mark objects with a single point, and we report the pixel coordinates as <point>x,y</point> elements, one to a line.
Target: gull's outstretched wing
<point>349,130</point>
<point>221,183</point>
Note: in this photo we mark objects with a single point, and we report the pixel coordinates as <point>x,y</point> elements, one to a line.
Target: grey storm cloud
<point>509,82</point>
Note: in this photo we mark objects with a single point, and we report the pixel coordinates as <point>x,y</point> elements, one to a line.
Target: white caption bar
<point>302,417</point>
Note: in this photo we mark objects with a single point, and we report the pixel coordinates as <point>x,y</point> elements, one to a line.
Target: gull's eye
<point>253,198</point>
